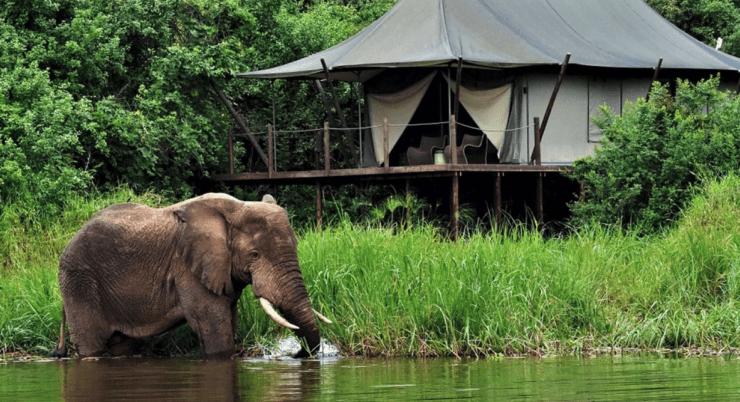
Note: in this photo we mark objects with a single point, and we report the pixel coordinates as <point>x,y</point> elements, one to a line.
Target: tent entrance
<point>418,108</point>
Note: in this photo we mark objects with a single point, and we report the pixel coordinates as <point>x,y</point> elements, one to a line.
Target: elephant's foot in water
<point>122,345</point>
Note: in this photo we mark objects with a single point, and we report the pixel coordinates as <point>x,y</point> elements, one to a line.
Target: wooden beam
<point>454,207</point>
<point>231,152</point>
<point>386,144</point>
<point>553,96</point>
<point>582,195</point>
<point>655,77</point>
<point>537,154</point>
<point>330,116</point>
<point>241,123</point>
<point>540,200</point>
<point>270,151</point>
<point>341,115</point>
<point>382,173</point>
<point>497,199</point>
<point>457,88</point>
<point>453,140</point>
<point>325,101</point>
<point>319,204</point>
<point>327,155</point>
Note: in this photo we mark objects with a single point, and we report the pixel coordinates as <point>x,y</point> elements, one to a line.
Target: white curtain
<point>489,108</point>
<point>398,108</point>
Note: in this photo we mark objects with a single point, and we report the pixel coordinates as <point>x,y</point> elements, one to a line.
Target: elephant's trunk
<point>291,298</point>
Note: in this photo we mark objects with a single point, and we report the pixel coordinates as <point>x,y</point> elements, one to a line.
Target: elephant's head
<point>231,244</point>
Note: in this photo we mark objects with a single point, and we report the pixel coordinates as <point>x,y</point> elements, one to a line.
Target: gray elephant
<point>133,272</point>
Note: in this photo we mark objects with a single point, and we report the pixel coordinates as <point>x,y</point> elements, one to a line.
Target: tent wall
<point>569,134</point>
<point>565,138</point>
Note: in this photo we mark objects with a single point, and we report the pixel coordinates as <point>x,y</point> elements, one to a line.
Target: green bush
<point>642,173</point>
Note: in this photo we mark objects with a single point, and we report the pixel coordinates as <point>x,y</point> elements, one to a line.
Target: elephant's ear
<point>204,245</point>
<point>269,199</point>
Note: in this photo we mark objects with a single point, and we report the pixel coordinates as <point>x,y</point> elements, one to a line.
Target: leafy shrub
<point>651,155</point>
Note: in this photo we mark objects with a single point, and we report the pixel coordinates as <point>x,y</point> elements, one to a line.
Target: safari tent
<point>510,54</point>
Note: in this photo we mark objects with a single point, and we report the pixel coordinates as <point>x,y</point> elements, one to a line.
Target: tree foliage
<point>98,93</point>
<point>653,153</point>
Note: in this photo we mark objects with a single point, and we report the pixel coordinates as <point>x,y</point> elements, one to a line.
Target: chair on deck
<point>424,154</point>
<point>471,151</point>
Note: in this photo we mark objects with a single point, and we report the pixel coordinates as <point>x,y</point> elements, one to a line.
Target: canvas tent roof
<point>506,34</point>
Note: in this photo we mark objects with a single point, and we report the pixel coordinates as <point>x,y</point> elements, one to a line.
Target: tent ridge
<point>444,29</point>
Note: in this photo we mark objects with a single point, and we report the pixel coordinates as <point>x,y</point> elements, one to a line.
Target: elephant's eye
<point>254,255</point>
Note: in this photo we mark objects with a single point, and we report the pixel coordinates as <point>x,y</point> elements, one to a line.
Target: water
<point>634,377</point>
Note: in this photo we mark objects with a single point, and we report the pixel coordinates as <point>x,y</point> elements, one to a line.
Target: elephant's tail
<point>60,350</point>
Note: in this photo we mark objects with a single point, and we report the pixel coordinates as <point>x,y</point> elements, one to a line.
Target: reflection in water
<point>605,378</point>
<point>144,379</point>
<point>284,380</point>
<point>190,380</point>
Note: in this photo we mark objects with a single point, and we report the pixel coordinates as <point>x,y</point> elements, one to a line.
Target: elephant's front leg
<point>234,317</point>
<point>210,316</point>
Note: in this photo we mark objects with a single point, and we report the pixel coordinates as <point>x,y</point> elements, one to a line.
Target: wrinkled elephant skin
<point>134,272</point>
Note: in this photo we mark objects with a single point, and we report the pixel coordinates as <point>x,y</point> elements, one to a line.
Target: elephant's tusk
<point>321,317</point>
<point>274,315</point>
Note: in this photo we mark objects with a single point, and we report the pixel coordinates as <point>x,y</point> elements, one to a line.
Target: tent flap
<point>398,108</point>
<point>489,109</point>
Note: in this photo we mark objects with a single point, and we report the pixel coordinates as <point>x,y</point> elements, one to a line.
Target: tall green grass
<point>410,292</point>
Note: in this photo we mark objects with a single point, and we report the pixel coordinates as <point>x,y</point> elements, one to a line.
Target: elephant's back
<point>119,247</point>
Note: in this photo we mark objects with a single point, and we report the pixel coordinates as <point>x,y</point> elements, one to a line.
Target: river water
<point>604,378</point>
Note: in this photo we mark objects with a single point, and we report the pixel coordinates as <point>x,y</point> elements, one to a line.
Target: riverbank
<point>410,292</point>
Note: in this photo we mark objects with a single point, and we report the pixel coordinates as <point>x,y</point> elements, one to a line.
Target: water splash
<point>287,347</point>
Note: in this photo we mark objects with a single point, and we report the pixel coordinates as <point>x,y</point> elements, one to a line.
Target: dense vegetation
<point>409,292</point>
<point>97,93</point>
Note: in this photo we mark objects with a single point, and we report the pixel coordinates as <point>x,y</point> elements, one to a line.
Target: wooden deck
<point>380,173</point>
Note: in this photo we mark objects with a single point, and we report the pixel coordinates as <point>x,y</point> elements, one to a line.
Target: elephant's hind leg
<point>89,331</point>
<point>122,345</point>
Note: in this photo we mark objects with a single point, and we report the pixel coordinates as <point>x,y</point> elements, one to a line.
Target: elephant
<point>134,272</point>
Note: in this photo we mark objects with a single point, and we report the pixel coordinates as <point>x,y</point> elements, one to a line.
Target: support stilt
<point>454,207</point>
<point>319,204</point>
<point>497,199</point>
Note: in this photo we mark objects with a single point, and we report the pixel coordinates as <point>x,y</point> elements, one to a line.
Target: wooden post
<point>330,116</point>
<point>327,161</point>
<point>497,200</point>
<point>655,78</point>
<point>239,121</point>
<point>339,112</point>
<point>386,144</point>
<point>270,153</point>
<point>453,140</point>
<point>317,140</point>
<point>540,201</point>
<point>553,96</point>
<point>457,88</point>
<point>454,206</point>
<point>737,88</point>
<point>319,204</point>
<point>231,152</point>
<point>537,142</point>
<point>582,195</point>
